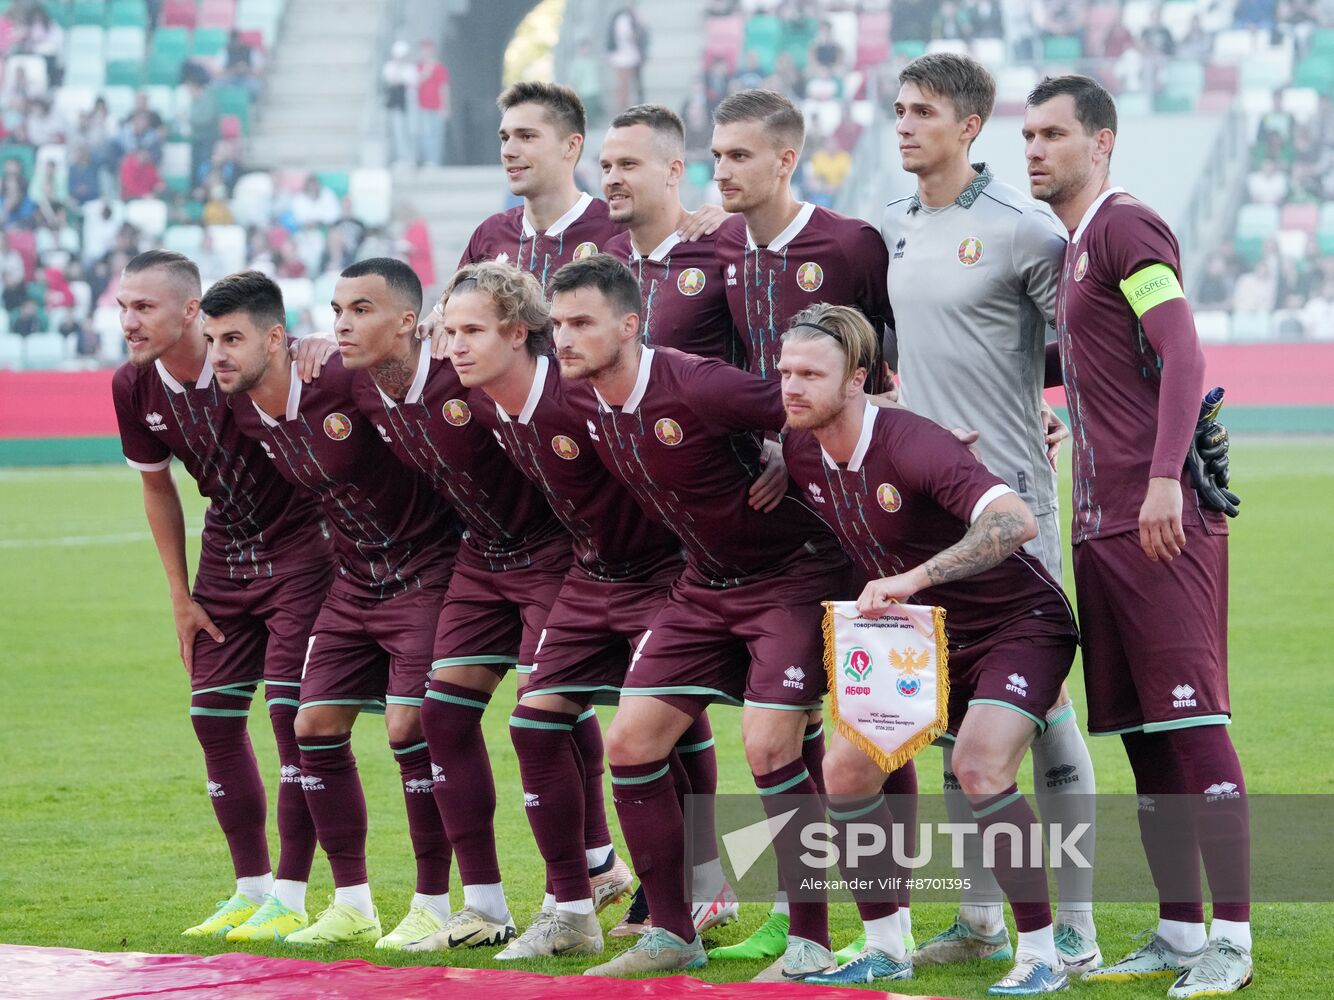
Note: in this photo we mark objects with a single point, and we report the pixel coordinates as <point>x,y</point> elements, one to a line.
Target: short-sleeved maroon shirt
<point>687,444</point>
<point>257,524</point>
<point>391,533</point>
<point>432,430</point>
<point>820,257</point>
<point>550,442</point>
<point>509,237</point>
<point>685,304</point>
<point>1112,373</point>
<point>909,492</point>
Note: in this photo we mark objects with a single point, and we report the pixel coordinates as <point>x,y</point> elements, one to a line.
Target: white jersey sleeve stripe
<point>986,499</point>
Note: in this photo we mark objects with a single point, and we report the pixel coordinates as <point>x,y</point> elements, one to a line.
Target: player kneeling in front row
<point>928,523</point>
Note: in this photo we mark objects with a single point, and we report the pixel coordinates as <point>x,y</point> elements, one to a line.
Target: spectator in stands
<point>986,18</point>
<point>825,51</point>
<point>217,209</point>
<point>432,105</point>
<point>399,76</point>
<point>1058,18</point>
<point>16,208</point>
<point>314,204</point>
<point>717,82</point>
<point>1257,289</point>
<point>96,131</point>
<point>1318,313</point>
<point>338,254</point>
<point>1197,45</point>
<point>139,176</point>
<point>912,20</point>
<point>46,38</point>
<point>27,321</point>
<point>1287,323</point>
<point>143,128</point>
<point>240,67</point>
<point>43,124</point>
<point>12,268</point>
<point>950,22</point>
<point>786,77</point>
<point>16,97</point>
<point>204,118</point>
<point>585,78</point>
<point>627,51</point>
<point>830,164</point>
<point>48,189</point>
<point>696,115</point>
<point>1132,69</point>
<point>749,75</point>
<point>824,86</point>
<point>1158,41</point>
<point>1215,288</point>
<point>1254,13</point>
<point>1267,186</point>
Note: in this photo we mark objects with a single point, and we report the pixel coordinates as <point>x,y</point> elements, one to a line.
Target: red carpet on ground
<point>69,974</point>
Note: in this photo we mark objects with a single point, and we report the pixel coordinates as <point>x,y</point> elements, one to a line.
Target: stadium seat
<point>178,14</point>
<point>175,40</point>
<point>71,100</point>
<point>252,199</point>
<point>1235,45</point>
<point>1302,103</point>
<point>1062,48</point>
<point>149,215</point>
<point>1135,105</point>
<point>125,73</point>
<point>125,44</point>
<point>872,38</point>
<point>336,181</point>
<point>1317,72</point>
<point>1247,326</point>
<point>209,42</point>
<point>52,151</point>
<point>1220,77</point>
<point>120,100</point>
<point>1173,104</point>
<point>176,165</point>
<point>1292,243</point>
<point>88,71</point>
<point>217,14</point>
<point>43,350</point>
<point>1015,83</point>
<point>234,101</point>
<point>11,345</point>
<point>1177,17</point>
<point>1184,78</point>
<point>371,191</point>
<point>989,52</point>
<point>1257,220</point>
<point>1213,326</point>
<point>1215,102</point>
<point>34,71</point>
<point>763,36</point>
<point>723,37</point>
<point>1322,43</point>
<point>298,293</point>
<point>229,245</point>
<point>88,12</point>
<point>25,154</point>
<point>1098,21</point>
<point>84,40</point>
<point>1304,216</point>
<point>909,48</point>
<point>956,45</point>
<point>843,28</point>
<point>128,12</point>
<point>1136,14</point>
<point>183,239</point>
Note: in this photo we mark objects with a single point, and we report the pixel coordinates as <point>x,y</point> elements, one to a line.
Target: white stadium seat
<point>229,245</point>
<point>371,191</point>
<point>252,199</point>
<point>1213,326</point>
<point>183,239</point>
<point>148,215</point>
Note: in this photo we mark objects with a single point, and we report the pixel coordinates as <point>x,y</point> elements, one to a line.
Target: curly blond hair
<point>516,295</point>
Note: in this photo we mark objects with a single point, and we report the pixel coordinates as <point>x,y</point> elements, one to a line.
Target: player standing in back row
<point>1150,558</point>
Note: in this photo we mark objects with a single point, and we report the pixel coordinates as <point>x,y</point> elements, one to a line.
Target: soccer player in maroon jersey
<point>513,559</point>
<point>781,255</point>
<point>740,625</point>
<point>370,645</point>
<point>265,564</point>
<point>1150,559</point>
<point>929,524</point>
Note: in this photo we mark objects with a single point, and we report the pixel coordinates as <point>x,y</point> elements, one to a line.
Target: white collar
<point>863,441</point>
<point>790,233</point>
<point>641,385</point>
<point>293,402</point>
<point>660,251</point>
<point>534,393</point>
<point>169,380</point>
<point>565,221</point>
<point>418,379</point>
<point>1093,210</point>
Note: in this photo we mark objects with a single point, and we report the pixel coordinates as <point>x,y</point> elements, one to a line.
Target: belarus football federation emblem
<point>585,250</point>
<point>669,432</point>
<point>970,251</point>
<point>691,281</point>
<point>810,276</point>
<point>888,498</point>
<point>1082,266</point>
<point>565,447</point>
<point>337,426</point>
<point>858,665</point>
<point>456,412</point>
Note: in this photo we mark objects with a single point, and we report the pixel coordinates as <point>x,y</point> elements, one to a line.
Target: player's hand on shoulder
<point>432,328</point>
<point>703,221</point>
<point>311,352</point>
<point>1161,535</point>
<point>968,438</point>
<point>769,487</point>
<point>878,595</point>
<point>890,396</point>
<point>1054,430</point>
<point>191,619</point>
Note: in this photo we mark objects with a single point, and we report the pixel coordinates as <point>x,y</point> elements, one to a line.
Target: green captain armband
<point>1151,286</point>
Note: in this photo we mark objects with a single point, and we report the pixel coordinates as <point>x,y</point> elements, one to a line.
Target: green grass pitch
<point>109,842</point>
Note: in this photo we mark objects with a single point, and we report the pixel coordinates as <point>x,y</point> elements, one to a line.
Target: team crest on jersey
<point>1082,266</point>
<point>888,497</point>
<point>970,251</point>
<point>810,276</point>
<point>668,432</point>
<point>586,249</point>
<point>456,412</point>
<point>337,426</point>
<point>565,447</point>
<point>691,281</point>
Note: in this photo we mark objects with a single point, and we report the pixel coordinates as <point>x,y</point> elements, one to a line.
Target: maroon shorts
<point>494,619</point>
<point>594,626</point>
<point>1022,671</point>
<point>367,652</point>
<point>757,644</point>
<point>1154,633</point>
<point>265,624</point>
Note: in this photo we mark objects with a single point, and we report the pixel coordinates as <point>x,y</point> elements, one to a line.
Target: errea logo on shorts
<point>312,783</point>
<point>795,678</point>
<point>289,774</point>
<point>530,800</point>
<point>418,785</point>
<point>156,421</point>
<point>1183,696</point>
<point>215,790</point>
<point>1221,790</point>
<point>1018,684</point>
<point>437,772</point>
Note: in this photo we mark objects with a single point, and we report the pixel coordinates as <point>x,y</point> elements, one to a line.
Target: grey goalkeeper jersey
<point>973,288</point>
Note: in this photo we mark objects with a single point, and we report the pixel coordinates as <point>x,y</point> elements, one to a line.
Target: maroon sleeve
<point>137,442</point>
<point>933,462</point>
<point>871,257</point>
<point>1053,374</point>
<point>470,254</point>
<point>732,398</point>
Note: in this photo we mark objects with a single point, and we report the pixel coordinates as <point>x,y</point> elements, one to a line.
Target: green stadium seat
<point>125,73</point>
<point>164,69</point>
<point>88,12</point>
<point>1184,78</point>
<point>699,173</point>
<point>910,48</point>
<point>234,101</point>
<point>335,180</point>
<point>764,37</point>
<point>126,44</point>
<point>209,41</point>
<point>1326,223</point>
<point>1134,105</point>
<point>128,12</point>
<point>173,40</point>
<point>1249,248</point>
<point>1322,43</point>
<point>1062,48</point>
<point>1173,104</point>
<point>1316,72</point>
<point>26,156</point>
<point>1257,220</point>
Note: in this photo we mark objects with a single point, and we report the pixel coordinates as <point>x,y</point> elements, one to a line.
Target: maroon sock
<point>425,828</point>
<point>699,761</point>
<point>876,874</point>
<point>234,785</point>
<point>296,830</point>
<point>588,744</point>
<point>549,769</point>
<point>1024,886</point>
<point>1217,789</point>
<point>793,787</point>
<point>654,829</point>
<point>901,787</point>
<point>812,753</point>
<point>1165,826</point>
<point>464,788</point>
<point>333,794</point>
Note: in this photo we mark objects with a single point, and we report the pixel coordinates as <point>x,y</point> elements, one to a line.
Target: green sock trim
<point>286,684</point>
<point>694,747</point>
<point>221,713</point>
<point>811,736</point>
<point>790,783</point>
<point>588,714</point>
<point>283,701</point>
<point>997,806</point>
<point>412,749</point>
<point>856,813</point>
<point>453,699</point>
<point>323,746</point>
<point>1068,712</point>
<point>519,722</point>
<point>643,779</point>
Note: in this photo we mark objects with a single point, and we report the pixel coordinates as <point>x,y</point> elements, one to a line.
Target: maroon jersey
<point>821,257</point>
<point>551,443</point>
<point>433,432</point>
<point>686,443</point>
<point>257,524</point>
<point>685,305</point>
<point>391,533</point>
<point>509,237</point>
<point>909,492</point>
<point>1113,374</point>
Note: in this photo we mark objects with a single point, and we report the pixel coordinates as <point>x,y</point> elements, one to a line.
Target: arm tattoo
<point>394,376</point>
<point>988,541</point>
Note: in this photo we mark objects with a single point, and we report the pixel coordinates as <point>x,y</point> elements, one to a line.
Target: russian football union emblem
<point>565,447</point>
<point>970,251</point>
<point>858,665</point>
<point>1082,266</point>
<point>810,276</point>
<point>337,426</point>
<point>668,432</point>
<point>585,250</point>
<point>456,412</point>
<point>888,498</point>
<point>908,686</point>
<point>691,281</point>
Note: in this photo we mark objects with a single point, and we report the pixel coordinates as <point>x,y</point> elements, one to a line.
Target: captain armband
<point>1151,286</point>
